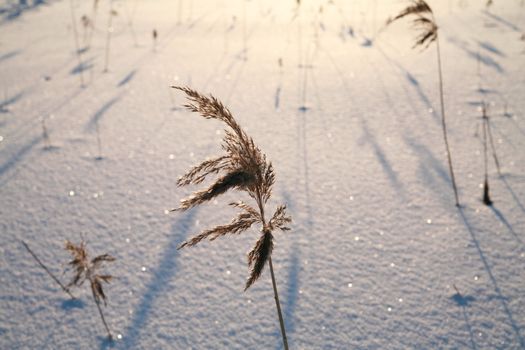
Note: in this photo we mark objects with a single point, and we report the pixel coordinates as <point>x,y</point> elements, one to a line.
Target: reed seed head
<point>243,167</point>
<point>86,269</point>
<point>423,21</point>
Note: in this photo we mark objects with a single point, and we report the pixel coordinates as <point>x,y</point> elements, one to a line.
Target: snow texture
<point>349,115</point>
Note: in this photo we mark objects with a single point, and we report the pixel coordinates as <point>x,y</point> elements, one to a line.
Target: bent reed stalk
<point>244,167</point>
<point>425,21</point>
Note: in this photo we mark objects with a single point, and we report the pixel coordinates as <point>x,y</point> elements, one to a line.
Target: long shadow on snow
<point>463,301</point>
<point>9,101</point>
<point>414,83</point>
<point>290,296</point>
<point>492,278</point>
<point>477,56</point>
<point>491,48</point>
<point>508,140</point>
<point>127,78</point>
<point>84,66</point>
<point>513,194</point>
<point>431,169</point>
<point>381,158</point>
<point>290,293</point>
<point>12,11</point>
<point>504,221</point>
<point>9,55</point>
<point>19,155</point>
<point>502,21</point>
<point>100,113</point>
<point>157,286</point>
<point>302,146</point>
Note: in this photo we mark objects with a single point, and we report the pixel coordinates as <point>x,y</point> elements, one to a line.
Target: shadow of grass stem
<point>64,288</point>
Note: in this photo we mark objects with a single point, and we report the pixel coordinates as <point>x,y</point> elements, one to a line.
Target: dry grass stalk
<point>244,167</point>
<point>86,25</point>
<point>77,46</point>
<point>99,142</point>
<point>109,29</point>
<point>88,269</point>
<point>64,288</point>
<point>93,22</point>
<point>425,22</point>
<point>493,147</point>
<point>486,196</point>
<point>488,139</point>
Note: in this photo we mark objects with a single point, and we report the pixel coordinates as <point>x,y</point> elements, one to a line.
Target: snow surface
<point>376,244</point>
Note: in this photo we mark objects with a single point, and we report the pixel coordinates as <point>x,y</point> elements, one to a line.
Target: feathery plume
<point>86,269</point>
<point>423,21</point>
<point>245,168</point>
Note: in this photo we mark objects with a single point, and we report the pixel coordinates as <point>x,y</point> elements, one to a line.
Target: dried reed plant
<point>243,167</point>
<point>425,22</point>
<point>88,269</point>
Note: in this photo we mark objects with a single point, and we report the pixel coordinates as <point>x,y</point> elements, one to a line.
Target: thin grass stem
<point>77,46</point>
<point>108,36</point>
<point>278,305</point>
<point>99,141</point>
<point>110,337</point>
<point>444,123</point>
<point>494,154</point>
<point>486,195</point>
